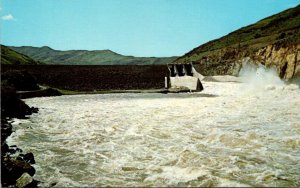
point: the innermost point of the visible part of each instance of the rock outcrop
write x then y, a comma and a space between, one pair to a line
12, 106
273, 42
286, 59
229, 61
15, 166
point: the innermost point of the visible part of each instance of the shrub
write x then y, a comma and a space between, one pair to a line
21, 80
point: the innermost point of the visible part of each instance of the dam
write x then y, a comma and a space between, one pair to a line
183, 77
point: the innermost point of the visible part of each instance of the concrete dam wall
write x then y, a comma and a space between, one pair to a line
96, 77
184, 77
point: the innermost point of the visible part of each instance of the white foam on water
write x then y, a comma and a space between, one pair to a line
227, 135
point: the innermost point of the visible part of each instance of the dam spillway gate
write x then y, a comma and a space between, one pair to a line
183, 77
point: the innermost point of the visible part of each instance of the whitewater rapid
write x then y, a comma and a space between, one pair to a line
231, 134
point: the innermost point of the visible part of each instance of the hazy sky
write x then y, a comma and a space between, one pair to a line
129, 27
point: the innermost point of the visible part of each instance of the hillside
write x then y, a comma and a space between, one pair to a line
273, 41
9, 56
84, 57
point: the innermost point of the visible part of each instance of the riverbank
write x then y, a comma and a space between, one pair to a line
57, 92
16, 166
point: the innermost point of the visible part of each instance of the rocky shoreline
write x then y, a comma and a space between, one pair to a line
16, 166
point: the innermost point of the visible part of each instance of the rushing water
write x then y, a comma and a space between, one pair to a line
231, 134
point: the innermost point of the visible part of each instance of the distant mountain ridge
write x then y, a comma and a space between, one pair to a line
9, 56
273, 41
85, 57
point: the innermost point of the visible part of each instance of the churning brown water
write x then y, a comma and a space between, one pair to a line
231, 134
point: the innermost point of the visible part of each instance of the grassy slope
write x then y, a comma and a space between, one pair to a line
9, 56
84, 57
283, 27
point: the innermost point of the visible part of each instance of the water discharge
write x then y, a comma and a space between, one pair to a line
230, 134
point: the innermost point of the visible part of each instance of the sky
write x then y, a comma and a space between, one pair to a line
129, 27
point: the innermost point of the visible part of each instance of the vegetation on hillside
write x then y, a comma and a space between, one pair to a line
282, 28
20, 80
85, 57
9, 56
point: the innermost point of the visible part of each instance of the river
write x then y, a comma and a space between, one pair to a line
231, 134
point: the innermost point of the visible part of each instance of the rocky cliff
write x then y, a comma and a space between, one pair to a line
273, 42
286, 59
229, 61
